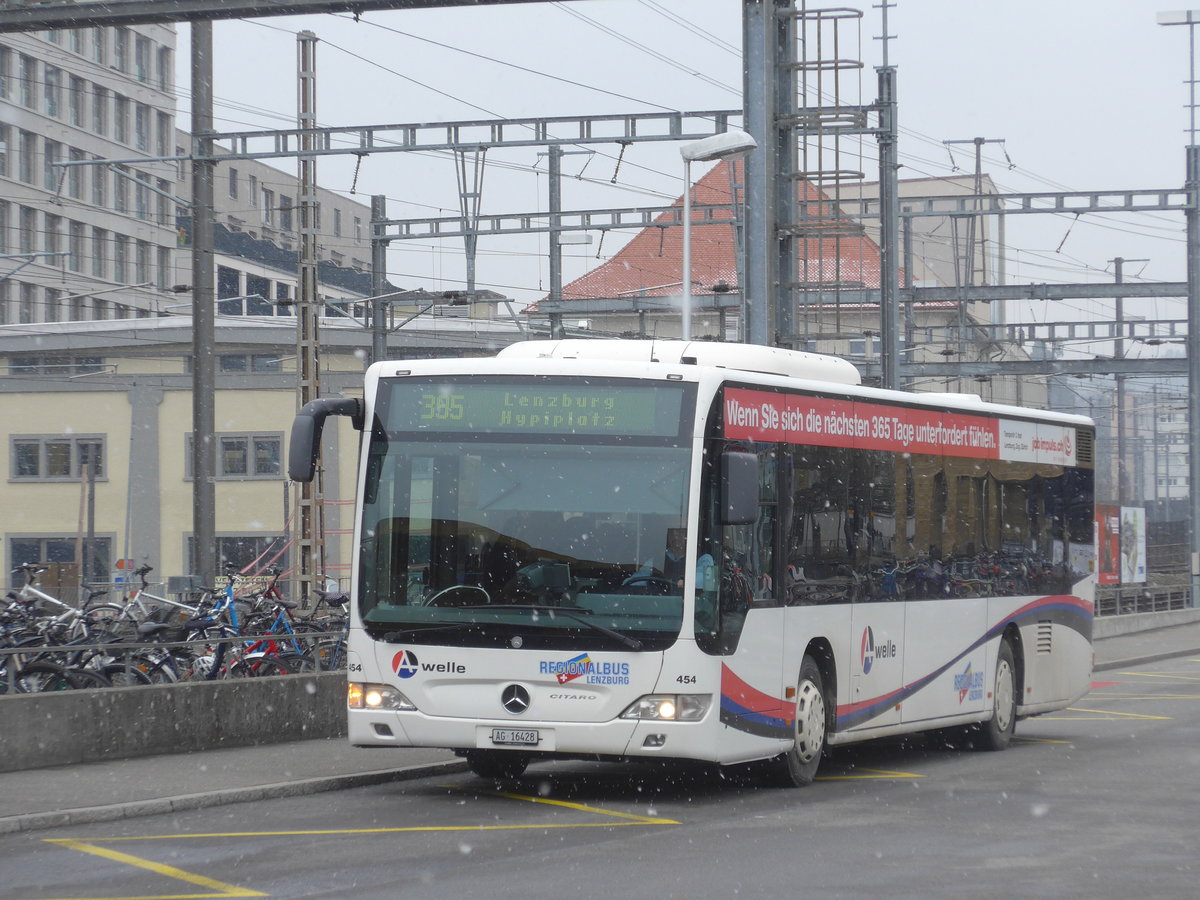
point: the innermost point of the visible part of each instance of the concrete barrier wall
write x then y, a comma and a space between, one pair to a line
1111, 626
66, 727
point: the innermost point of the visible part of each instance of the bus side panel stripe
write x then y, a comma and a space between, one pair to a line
1066, 610
748, 709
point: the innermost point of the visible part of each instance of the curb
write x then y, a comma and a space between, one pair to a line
157, 806
1149, 658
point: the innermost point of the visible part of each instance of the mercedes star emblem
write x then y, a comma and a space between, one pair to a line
515, 699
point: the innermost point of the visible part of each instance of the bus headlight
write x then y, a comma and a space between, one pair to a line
670, 707
376, 696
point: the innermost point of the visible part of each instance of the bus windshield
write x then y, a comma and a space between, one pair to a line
545, 511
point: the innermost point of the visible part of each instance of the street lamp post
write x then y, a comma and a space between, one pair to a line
725, 145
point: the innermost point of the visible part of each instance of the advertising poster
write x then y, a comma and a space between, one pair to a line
1108, 545
1133, 545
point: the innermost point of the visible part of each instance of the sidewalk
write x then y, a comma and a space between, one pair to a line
127, 788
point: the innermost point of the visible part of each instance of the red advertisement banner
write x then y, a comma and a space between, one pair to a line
767, 416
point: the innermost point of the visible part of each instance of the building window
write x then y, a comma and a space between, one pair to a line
166, 69
75, 100
5, 138
99, 185
241, 550
143, 263
285, 212
75, 247
337, 223
60, 549
6, 57
164, 268
252, 190
53, 230
244, 456
28, 298
50, 172
141, 196
121, 118
163, 142
121, 49
4, 301
229, 283
121, 258
162, 201
141, 127
121, 189
53, 91
56, 458
25, 167
53, 303
99, 46
250, 363
141, 58
75, 175
357, 228
28, 229
233, 183
29, 79
99, 109
5, 242
268, 206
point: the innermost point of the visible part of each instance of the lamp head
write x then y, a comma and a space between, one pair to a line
718, 146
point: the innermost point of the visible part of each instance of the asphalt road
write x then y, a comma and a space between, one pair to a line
1098, 801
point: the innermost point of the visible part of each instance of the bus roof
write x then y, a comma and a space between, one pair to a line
743, 357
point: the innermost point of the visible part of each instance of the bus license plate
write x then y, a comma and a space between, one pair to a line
515, 737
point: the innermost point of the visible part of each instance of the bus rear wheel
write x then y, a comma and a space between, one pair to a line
997, 732
497, 765
798, 766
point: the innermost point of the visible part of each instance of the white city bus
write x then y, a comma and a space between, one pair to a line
703, 551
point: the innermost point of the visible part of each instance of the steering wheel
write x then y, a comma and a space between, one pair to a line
665, 584
458, 595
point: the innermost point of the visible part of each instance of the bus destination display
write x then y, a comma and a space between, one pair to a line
554, 408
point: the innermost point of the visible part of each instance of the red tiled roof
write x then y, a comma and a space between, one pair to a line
651, 264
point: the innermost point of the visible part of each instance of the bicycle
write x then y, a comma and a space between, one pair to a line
141, 606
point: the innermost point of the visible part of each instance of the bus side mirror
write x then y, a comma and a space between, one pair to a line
739, 488
305, 443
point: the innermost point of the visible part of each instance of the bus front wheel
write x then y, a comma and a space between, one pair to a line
497, 765
798, 766
997, 732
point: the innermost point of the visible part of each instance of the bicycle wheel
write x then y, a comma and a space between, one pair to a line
136, 672
257, 667
41, 677
87, 678
329, 654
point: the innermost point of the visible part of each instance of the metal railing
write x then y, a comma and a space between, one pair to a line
1121, 600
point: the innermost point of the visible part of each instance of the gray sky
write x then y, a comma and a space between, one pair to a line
1087, 94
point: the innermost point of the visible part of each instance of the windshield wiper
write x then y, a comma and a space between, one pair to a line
568, 612
393, 636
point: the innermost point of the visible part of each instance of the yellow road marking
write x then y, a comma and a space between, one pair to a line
1108, 713
634, 819
1026, 740
629, 819
221, 888
337, 831
875, 775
